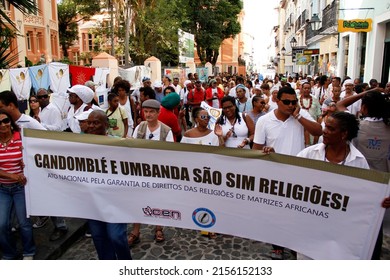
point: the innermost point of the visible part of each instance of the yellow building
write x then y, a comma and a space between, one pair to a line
39, 40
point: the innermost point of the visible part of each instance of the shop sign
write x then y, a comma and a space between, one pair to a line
355, 25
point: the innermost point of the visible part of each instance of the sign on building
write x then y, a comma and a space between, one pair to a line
354, 25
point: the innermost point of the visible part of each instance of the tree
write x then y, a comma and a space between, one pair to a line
70, 12
8, 31
154, 30
212, 21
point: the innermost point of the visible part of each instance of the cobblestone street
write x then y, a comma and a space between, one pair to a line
184, 244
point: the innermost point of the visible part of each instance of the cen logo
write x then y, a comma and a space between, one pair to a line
162, 213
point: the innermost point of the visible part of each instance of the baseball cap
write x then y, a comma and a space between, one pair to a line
144, 79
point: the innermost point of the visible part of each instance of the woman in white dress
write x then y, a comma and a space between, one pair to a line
202, 135
238, 128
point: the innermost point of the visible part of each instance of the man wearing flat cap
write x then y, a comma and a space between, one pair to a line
79, 97
150, 129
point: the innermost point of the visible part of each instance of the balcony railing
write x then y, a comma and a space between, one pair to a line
329, 19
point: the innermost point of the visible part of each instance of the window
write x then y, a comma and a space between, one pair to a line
39, 42
84, 40
28, 40
90, 42
53, 40
121, 59
76, 56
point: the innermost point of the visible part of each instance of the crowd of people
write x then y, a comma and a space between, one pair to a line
322, 118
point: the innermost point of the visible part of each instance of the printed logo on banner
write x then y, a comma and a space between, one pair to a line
203, 217
162, 213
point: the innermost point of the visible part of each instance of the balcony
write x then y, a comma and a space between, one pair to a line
328, 21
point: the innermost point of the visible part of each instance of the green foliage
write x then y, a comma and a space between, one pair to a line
212, 21
8, 31
8, 58
156, 27
69, 13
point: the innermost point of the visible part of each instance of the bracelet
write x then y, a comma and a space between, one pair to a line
298, 117
247, 140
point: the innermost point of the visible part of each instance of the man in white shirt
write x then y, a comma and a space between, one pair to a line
151, 129
79, 97
282, 130
49, 115
176, 85
349, 91
9, 103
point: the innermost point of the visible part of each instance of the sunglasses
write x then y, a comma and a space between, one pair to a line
204, 117
33, 101
5, 121
42, 96
151, 136
288, 102
262, 102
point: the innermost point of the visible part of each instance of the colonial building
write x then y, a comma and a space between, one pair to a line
39, 40
334, 37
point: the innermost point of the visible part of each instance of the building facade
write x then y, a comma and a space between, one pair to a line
310, 41
38, 40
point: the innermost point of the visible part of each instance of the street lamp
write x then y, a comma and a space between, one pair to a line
293, 42
315, 22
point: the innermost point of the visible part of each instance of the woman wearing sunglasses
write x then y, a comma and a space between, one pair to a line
201, 134
237, 128
34, 107
12, 194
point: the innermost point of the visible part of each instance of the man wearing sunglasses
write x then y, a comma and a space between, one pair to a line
50, 115
282, 130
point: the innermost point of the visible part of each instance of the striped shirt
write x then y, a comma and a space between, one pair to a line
11, 158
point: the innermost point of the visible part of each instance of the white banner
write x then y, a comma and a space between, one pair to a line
272, 198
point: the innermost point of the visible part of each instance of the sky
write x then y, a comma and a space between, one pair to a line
260, 18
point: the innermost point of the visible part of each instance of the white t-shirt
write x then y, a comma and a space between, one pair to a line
317, 152
210, 140
285, 137
156, 134
26, 121
73, 123
355, 107
51, 117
